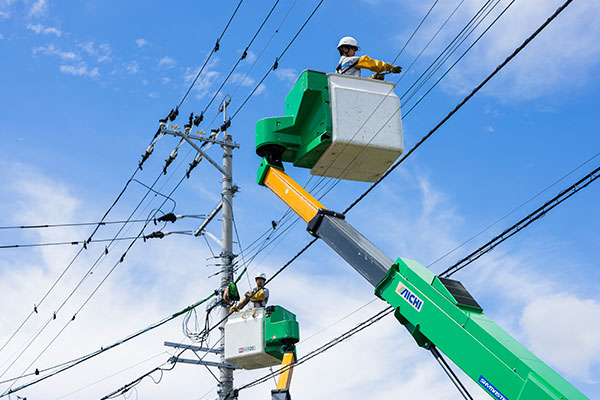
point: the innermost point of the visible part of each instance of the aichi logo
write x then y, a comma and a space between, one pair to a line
409, 296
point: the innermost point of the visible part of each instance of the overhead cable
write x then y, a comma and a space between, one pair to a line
277, 59
512, 211
523, 223
213, 51
57, 369
242, 57
461, 104
320, 350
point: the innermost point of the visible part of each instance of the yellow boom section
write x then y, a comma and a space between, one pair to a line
292, 194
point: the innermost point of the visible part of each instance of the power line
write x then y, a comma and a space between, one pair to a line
320, 350
277, 59
77, 242
242, 57
213, 51
461, 104
59, 368
243, 79
523, 223
102, 281
513, 210
461, 57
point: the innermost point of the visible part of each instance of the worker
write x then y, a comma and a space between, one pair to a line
261, 297
351, 64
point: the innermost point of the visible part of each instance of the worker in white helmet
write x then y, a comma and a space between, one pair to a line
351, 64
261, 297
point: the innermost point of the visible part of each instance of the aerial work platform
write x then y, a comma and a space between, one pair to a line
338, 126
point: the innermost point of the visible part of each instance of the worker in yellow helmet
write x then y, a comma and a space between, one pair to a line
261, 297
351, 64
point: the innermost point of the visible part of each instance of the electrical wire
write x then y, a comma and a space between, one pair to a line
277, 59
70, 364
213, 51
320, 350
102, 281
523, 223
75, 242
461, 104
242, 57
243, 79
512, 211
111, 375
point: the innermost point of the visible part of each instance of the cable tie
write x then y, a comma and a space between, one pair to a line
85, 244
35, 309
73, 317
274, 224
244, 54
74, 243
37, 371
217, 46
122, 258
276, 64
54, 315
105, 249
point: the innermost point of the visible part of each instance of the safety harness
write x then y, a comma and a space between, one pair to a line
345, 69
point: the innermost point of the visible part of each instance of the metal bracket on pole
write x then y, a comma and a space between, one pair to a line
188, 139
210, 217
193, 348
202, 362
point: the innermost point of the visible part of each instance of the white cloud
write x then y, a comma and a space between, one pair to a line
4, 15
153, 95
547, 323
133, 67
166, 62
79, 70
141, 42
39, 8
204, 83
1, 36
164, 80
50, 50
105, 52
288, 75
244, 79
46, 30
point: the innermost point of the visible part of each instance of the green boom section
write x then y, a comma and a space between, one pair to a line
440, 312
282, 331
304, 133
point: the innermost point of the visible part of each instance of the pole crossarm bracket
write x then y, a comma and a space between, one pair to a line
208, 140
193, 348
202, 362
188, 139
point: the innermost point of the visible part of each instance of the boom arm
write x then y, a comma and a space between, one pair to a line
436, 311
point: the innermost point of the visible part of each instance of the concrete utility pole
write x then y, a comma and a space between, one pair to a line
226, 257
226, 374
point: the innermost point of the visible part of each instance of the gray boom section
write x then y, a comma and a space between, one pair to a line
351, 245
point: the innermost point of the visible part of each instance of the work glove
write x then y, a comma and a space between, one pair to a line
395, 69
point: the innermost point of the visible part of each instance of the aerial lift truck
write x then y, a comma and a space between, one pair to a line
350, 128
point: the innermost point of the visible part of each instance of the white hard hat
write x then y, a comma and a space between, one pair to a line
348, 41
261, 275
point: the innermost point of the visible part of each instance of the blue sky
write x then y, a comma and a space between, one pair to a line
84, 84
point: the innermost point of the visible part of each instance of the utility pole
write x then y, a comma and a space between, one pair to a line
225, 380
226, 374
